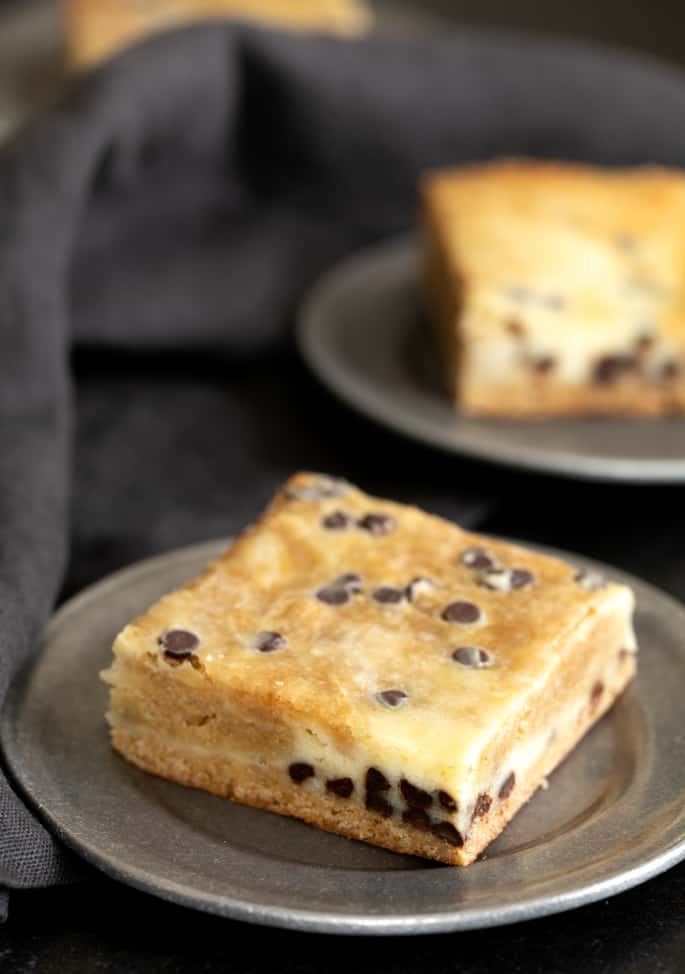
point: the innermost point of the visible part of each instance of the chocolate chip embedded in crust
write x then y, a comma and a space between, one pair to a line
342, 787
521, 577
377, 524
416, 797
544, 364
268, 642
447, 802
337, 521
333, 595
670, 370
392, 698
515, 328
387, 595
376, 780
376, 803
417, 818
464, 612
417, 586
479, 559
351, 582
299, 772
610, 368
506, 579
178, 644
473, 657
447, 832
507, 786
596, 693
482, 806
592, 581
319, 489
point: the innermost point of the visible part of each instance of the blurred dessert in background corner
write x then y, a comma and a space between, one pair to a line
558, 289
95, 29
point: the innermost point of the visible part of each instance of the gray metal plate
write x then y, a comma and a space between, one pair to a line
613, 816
363, 334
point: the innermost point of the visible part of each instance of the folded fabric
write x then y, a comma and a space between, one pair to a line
179, 200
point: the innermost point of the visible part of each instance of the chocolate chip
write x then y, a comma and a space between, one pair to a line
521, 577
388, 595
377, 524
376, 803
610, 368
337, 521
319, 489
464, 612
670, 370
507, 786
473, 657
417, 818
480, 559
333, 595
392, 698
351, 582
417, 586
515, 328
596, 693
447, 832
592, 581
482, 806
644, 341
342, 787
299, 772
416, 797
447, 801
268, 642
544, 364
376, 780
506, 579
178, 644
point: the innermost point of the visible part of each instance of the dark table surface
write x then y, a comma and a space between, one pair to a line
125, 509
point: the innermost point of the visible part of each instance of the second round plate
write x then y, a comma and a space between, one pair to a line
613, 817
362, 332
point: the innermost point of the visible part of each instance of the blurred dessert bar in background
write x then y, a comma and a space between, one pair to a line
557, 288
95, 29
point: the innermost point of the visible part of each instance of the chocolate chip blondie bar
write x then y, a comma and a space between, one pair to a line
558, 289
95, 29
373, 670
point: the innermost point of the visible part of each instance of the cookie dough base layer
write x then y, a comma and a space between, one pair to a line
263, 787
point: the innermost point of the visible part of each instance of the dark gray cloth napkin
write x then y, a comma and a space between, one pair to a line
165, 217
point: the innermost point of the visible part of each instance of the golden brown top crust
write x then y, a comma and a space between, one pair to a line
317, 610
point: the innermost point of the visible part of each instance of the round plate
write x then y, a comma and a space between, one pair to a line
362, 332
613, 817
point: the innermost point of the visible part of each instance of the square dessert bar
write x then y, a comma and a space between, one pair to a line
98, 28
372, 670
558, 289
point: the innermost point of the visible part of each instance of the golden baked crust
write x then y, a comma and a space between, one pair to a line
373, 670
98, 28
557, 288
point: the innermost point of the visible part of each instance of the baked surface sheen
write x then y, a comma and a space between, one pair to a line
558, 288
98, 28
372, 669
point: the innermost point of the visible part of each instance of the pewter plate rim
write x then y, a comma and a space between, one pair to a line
350, 296
20, 740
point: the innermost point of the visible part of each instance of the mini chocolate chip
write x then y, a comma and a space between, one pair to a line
596, 693
388, 595
376, 803
333, 595
392, 698
447, 832
670, 370
377, 524
447, 802
610, 368
515, 328
544, 364
268, 642
376, 780
521, 577
416, 797
592, 581
351, 582
417, 586
337, 521
480, 559
482, 806
507, 786
178, 643
464, 612
319, 489
506, 579
299, 772
417, 818
473, 657
342, 787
